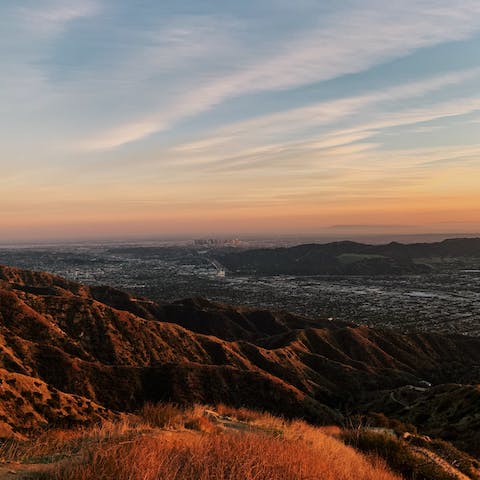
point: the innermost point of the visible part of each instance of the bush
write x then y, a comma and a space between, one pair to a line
464, 462
396, 453
162, 415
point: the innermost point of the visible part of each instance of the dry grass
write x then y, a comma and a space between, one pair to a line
163, 415
239, 413
174, 417
54, 445
228, 456
193, 443
256, 420
397, 455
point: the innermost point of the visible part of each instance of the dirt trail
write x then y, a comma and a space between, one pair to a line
228, 423
24, 471
30, 471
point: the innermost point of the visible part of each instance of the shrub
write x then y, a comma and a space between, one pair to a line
464, 462
162, 415
396, 453
200, 424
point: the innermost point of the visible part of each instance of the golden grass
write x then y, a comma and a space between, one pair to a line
197, 443
174, 417
240, 413
163, 415
227, 456
56, 444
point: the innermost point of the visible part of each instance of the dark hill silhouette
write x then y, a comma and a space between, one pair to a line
95, 351
347, 258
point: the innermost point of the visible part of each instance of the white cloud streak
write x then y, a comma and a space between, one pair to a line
352, 41
247, 139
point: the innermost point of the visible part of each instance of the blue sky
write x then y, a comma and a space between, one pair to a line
221, 116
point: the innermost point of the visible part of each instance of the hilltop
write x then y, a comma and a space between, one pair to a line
203, 442
198, 443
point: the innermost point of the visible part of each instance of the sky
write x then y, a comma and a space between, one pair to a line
224, 117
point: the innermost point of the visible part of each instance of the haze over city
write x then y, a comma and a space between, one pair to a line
270, 117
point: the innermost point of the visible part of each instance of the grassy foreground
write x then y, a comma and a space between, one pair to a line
198, 443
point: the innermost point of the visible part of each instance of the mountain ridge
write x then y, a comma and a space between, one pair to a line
346, 258
86, 342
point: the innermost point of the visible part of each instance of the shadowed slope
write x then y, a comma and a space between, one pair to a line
119, 351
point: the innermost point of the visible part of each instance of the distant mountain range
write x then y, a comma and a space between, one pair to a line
71, 354
348, 258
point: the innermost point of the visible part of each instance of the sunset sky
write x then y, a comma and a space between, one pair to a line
206, 117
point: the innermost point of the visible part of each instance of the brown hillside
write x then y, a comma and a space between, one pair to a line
119, 351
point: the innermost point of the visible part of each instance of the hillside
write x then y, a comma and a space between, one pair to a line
348, 258
199, 443
72, 354
204, 442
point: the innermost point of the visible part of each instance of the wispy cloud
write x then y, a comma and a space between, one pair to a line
119, 135
353, 40
244, 103
347, 42
51, 17
247, 139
